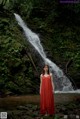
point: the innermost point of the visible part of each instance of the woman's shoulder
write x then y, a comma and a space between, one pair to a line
41, 75
50, 74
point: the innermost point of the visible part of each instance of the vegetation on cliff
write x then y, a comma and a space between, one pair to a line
58, 26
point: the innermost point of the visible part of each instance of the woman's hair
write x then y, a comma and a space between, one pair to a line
43, 72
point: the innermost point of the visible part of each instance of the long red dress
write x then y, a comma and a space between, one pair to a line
46, 96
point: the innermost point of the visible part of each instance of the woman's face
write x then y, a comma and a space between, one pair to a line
46, 68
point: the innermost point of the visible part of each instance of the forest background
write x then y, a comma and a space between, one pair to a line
58, 26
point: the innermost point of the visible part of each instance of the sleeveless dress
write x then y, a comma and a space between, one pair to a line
46, 96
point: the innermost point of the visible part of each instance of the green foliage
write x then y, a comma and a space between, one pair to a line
5, 4
59, 28
15, 66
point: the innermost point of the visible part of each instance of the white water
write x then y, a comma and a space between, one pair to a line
61, 82
74, 91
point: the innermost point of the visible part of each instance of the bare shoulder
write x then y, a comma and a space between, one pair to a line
50, 74
41, 75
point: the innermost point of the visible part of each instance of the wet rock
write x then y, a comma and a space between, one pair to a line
72, 116
22, 108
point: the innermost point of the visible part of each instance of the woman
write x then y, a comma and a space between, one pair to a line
46, 92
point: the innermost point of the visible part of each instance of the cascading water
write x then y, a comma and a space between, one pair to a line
62, 83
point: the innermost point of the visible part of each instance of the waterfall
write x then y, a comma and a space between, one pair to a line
61, 82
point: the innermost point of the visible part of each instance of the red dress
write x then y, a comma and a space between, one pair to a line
46, 96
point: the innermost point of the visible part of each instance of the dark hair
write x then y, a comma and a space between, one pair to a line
43, 72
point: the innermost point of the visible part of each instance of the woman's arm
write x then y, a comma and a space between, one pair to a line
52, 81
40, 82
